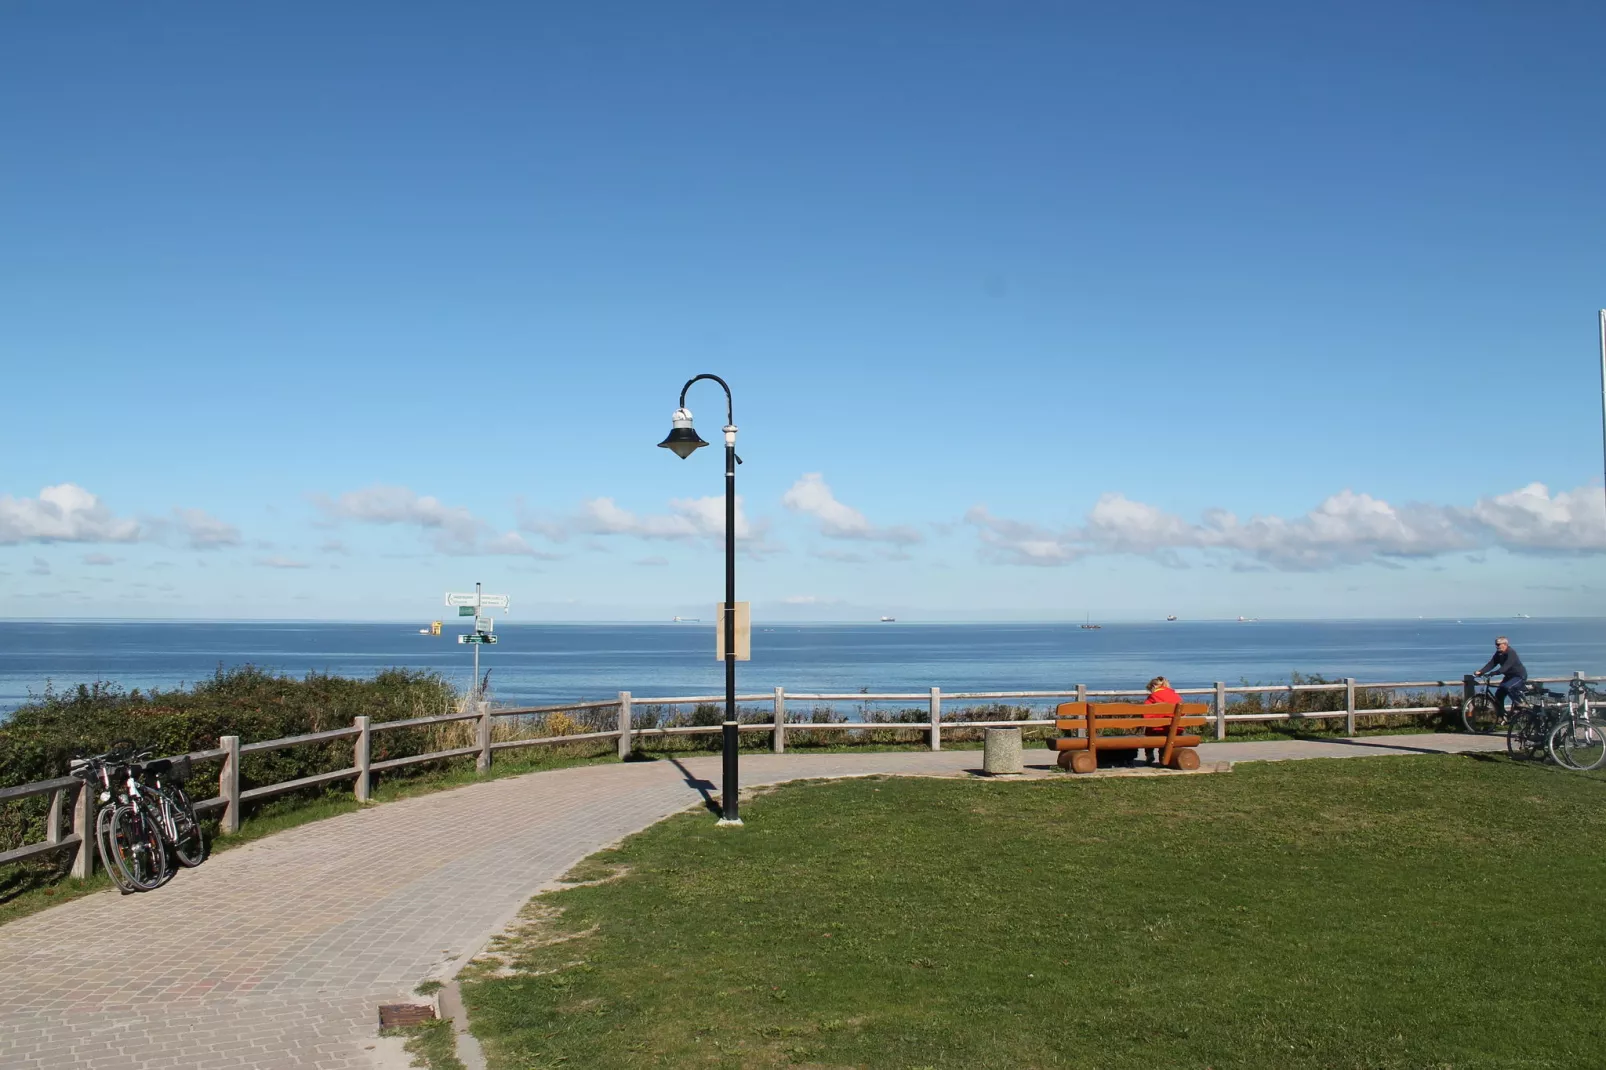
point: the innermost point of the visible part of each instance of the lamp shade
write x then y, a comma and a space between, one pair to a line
682, 437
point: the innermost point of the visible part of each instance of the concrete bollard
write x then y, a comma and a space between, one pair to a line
1001, 753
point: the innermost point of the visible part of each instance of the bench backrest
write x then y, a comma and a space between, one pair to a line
1112, 715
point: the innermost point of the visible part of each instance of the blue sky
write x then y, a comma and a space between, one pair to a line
1031, 310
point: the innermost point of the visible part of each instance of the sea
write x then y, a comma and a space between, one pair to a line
540, 664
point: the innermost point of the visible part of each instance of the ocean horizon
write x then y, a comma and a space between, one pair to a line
549, 663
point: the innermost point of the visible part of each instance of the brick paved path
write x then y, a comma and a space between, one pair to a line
277, 954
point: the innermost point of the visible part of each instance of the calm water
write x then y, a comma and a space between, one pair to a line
550, 663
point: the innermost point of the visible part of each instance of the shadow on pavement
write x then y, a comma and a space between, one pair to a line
704, 787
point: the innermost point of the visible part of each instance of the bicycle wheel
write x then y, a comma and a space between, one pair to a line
1479, 714
1523, 739
109, 855
1578, 744
189, 845
139, 848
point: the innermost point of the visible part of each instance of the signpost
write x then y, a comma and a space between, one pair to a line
472, 605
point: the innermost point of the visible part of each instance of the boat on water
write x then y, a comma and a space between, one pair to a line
885, 620
1247, 620
1171, 616
685, 620
1089, 626
433, 629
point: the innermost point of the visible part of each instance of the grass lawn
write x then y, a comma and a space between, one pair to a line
1432, 912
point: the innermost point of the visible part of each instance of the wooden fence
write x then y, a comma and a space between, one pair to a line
71, 792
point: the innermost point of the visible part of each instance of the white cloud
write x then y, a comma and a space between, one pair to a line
812, 496
1347, 528
1530, 519
687, 519
279, 562
451, 529
204, 531
65, 512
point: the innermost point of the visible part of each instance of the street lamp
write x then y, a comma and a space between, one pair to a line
683, 439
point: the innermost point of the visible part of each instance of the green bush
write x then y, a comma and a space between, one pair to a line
40, 738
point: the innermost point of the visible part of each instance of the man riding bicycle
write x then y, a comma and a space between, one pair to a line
1512, 673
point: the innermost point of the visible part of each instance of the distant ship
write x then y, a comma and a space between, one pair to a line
1523, 616
1090, 626
1247, 620
885, 620
433, 629
684, 620
1171, 616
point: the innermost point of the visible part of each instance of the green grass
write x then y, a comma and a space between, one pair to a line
431, 1045
1402, 912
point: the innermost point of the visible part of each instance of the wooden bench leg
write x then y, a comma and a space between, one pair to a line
1185, 758
1083, 761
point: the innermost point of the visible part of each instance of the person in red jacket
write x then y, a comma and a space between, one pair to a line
1159, 692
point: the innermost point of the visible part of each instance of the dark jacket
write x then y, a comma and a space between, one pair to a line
1506, 663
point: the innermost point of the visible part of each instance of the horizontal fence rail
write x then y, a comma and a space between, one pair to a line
71, 795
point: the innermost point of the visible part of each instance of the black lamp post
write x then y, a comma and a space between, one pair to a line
683, 439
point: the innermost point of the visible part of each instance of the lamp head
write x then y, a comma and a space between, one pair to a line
682, 438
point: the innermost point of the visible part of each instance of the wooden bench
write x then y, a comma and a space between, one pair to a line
1096, 720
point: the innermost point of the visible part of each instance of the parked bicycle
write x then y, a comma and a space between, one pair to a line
1531, 720
129, 841
147, 822
1578, 740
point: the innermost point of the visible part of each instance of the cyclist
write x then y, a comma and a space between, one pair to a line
1512, 674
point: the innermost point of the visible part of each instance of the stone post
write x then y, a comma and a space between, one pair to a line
1349, 705
1001, 753
778, 734
936, 718
1221, 710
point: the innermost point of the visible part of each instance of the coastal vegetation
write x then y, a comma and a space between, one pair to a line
1389, 913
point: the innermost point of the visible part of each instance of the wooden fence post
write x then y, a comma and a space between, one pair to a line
362, 758
53, 818
625, 725
1469, 687
1349, 705
778, 734
936, 718
482, 760
83, 823
1221, 710
228, 784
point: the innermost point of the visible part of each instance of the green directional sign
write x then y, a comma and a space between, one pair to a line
477, 637
466, 611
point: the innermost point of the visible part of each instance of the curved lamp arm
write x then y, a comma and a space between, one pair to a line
729, 405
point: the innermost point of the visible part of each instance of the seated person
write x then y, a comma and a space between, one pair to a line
1159, 692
